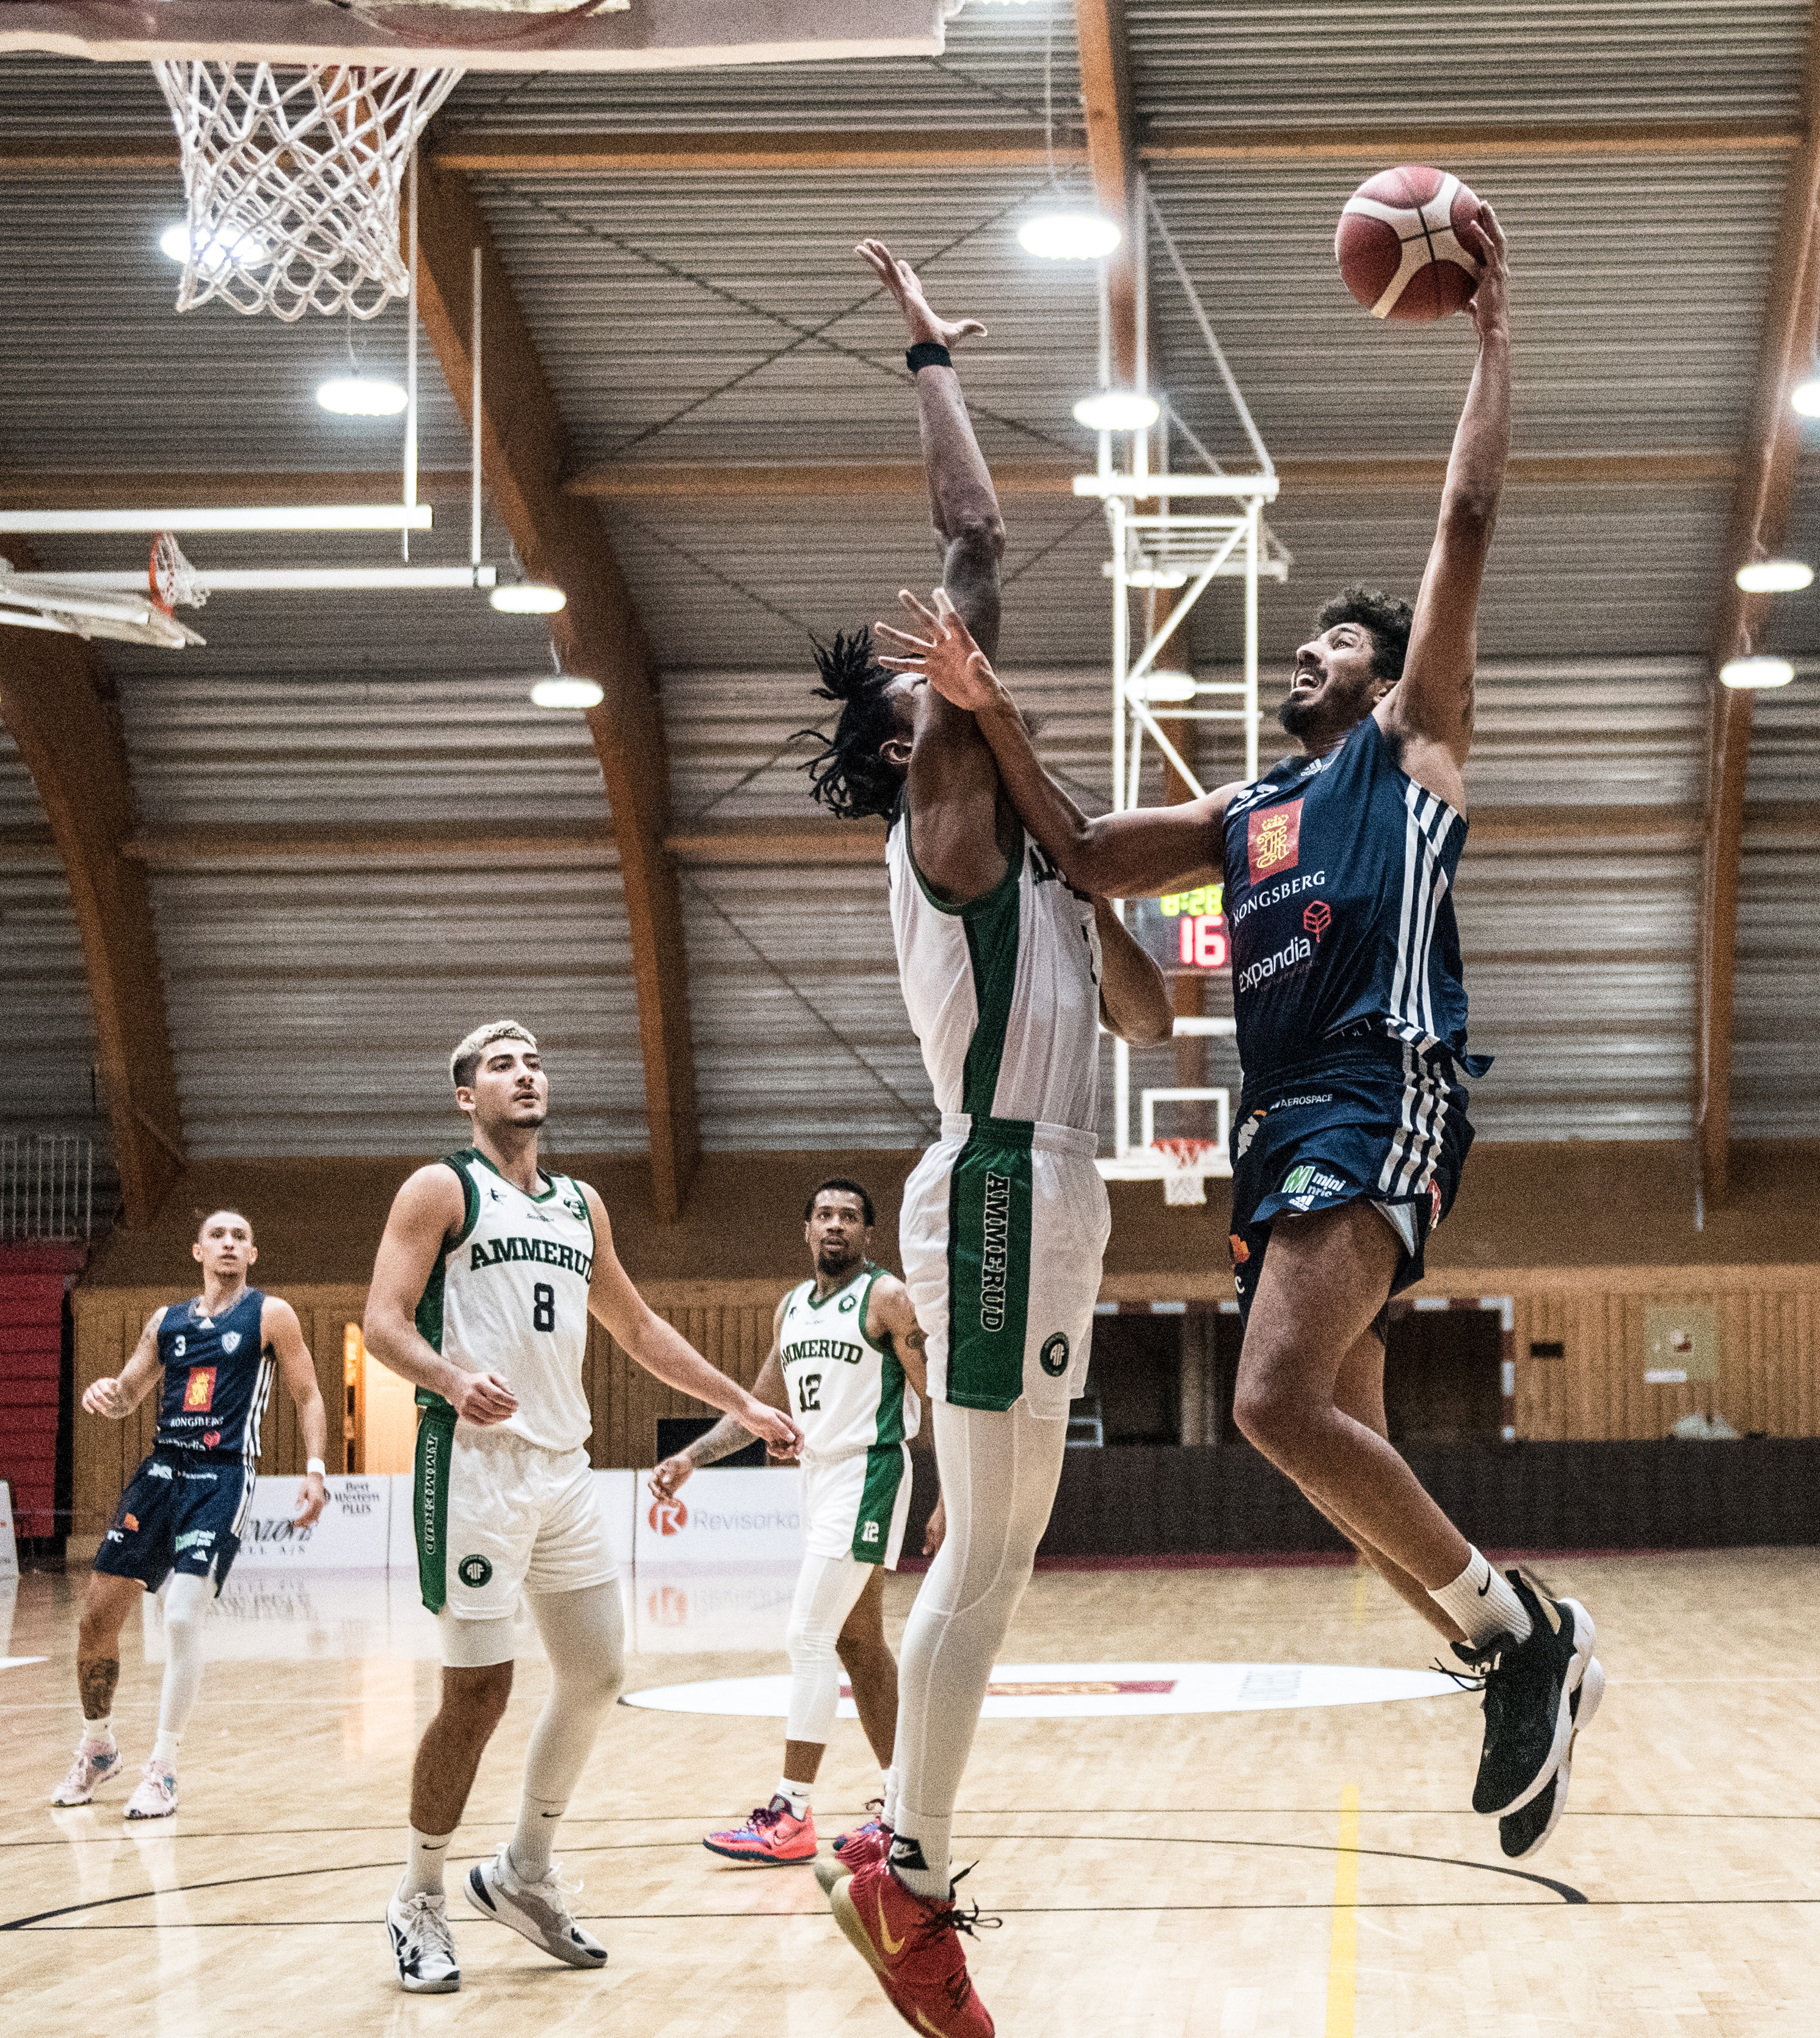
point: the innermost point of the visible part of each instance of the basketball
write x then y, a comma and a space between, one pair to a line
1403, 243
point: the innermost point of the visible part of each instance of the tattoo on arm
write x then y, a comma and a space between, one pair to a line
727, 1436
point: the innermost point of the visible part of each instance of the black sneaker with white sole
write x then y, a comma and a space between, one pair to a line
1528, 1687
1522, 1834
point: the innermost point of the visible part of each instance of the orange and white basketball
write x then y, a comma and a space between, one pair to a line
1404, 244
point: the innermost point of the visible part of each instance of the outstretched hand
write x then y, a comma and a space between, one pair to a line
945, 656
904, 284
1489, 303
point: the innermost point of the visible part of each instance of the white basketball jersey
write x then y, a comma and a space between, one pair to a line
847, 1392
1003, 993
510, 1296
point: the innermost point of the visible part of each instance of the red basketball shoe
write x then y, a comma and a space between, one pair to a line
770, 1838
854, 1850
912, 1943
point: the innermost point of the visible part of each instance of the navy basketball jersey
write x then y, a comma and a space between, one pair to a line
218, 1374
1338, 895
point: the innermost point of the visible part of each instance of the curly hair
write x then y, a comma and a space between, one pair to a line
1384, 616
849, 777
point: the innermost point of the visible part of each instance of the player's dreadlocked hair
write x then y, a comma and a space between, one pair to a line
850, 778
1387, 618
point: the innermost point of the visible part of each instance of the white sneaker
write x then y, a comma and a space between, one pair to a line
155, 1796
419, 1929
534, 1909
95, 1763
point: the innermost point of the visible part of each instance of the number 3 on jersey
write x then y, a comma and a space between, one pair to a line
542, 1307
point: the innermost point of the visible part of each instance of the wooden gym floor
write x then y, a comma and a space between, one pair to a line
1201, 1874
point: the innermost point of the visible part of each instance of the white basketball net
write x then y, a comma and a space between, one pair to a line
1186, 1164
294, 178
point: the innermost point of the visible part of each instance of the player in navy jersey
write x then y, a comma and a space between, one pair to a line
212, 1356
1338, 866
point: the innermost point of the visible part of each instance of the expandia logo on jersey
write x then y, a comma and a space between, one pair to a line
1273, 840
199, 1389
667, 1518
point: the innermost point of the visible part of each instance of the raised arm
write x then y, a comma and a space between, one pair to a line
1128, 855
118, 1394
663, 1351
953, 788
1432, 703
280, 1328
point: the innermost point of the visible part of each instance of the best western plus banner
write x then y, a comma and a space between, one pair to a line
742, 1516
350, 1535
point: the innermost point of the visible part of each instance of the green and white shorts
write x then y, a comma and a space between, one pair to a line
496, 1516
1002, 1235
856, 1505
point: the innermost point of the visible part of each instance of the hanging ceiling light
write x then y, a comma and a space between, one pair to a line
360, 396
1069, 236
1756, 672
565, 690
174, 245
1155, 577
529, 597
1117, 410
1806, 398
1775, 576
1159, 688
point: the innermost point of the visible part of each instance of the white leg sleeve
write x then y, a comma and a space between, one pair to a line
827, 1589
584, 1637
186, 1607
1000, 1474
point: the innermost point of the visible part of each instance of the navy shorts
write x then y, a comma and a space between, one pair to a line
1371, 1121
181, 1511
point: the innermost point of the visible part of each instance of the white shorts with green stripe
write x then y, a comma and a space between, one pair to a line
856, 1505
1002, 1235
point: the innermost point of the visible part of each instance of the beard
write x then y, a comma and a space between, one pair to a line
830, 1259
1297, 715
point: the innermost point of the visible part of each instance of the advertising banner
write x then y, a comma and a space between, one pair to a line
351, 1534
748, 1516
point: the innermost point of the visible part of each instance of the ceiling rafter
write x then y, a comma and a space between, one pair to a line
1112, 155
562, 539
54, 701
1759, 521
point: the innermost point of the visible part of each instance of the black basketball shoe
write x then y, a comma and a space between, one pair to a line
1528, 1688
1521, 1834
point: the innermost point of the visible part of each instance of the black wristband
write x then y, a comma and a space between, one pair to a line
927, 353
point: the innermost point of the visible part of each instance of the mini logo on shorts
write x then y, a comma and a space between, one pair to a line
1053, 1358
1241, 1251
667, 1518
1434, 1204
129, 1521
869, 1532
1248, 1132
474, 1571
1297, 1180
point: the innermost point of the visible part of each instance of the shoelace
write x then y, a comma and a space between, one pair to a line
763, 1819
951, 1918
425, 1917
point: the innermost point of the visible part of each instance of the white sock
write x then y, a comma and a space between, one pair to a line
1481, 1603
888, 1788
534, 1843
798, 1793
164, 1752
100, 1731
423, 1864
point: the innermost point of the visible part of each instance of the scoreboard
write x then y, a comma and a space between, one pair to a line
1183, 933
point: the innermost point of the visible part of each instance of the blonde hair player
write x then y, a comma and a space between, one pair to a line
181, 1515
1006, 971
846, 1358
488, 1271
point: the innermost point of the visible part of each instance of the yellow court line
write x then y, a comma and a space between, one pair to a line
1342, 1951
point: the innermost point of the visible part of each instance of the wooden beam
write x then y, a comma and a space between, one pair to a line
57, 704
1759, 522
1112, 154
563, 540
1471, 142
618, 154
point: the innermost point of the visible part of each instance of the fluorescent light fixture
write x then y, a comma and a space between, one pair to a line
1069, 236
1775, 576
317, 517
360, 396
1806, 398
525, 597
1156, 576
1156, 688
248, 248
565, 691
1117, 410
1756, 673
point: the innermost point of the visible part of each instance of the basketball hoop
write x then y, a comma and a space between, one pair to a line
171, 576
294, 177
1186, 1164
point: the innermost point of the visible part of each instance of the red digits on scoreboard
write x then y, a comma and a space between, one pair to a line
1203, 939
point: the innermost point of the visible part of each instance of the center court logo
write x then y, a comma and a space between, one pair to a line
667, 1518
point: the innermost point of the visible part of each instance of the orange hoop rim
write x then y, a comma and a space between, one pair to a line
163, 601
1185, 1152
